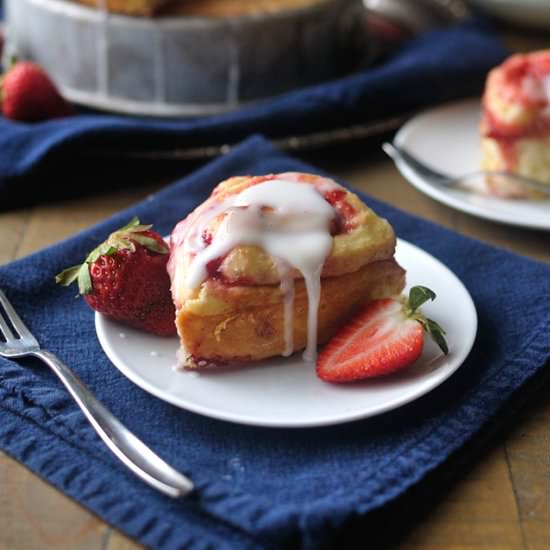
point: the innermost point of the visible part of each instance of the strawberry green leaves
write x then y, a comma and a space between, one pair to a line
68, 276
436, 333
133, 232
123, 239
126, 279
418, 296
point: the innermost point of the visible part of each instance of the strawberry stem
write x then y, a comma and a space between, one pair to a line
436, 333
68, 276
419, 295
84, 279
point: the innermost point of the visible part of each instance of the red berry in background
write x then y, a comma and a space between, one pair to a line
125, 278
29, 95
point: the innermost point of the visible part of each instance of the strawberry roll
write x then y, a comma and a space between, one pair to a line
515, 125
273, 264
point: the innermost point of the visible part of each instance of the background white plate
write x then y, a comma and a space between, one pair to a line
447, 139
286, 392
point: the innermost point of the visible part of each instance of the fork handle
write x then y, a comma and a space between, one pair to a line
124, 444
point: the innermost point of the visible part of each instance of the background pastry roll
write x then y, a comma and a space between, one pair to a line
515, 126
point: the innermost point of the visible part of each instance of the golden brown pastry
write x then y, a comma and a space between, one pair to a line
128, 7
515, 126
273, 264
233, 8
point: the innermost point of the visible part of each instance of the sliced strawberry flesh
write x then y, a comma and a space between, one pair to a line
381, 340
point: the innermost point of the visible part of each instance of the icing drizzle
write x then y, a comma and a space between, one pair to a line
291, 222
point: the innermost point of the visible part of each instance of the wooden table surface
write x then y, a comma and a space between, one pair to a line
502, 500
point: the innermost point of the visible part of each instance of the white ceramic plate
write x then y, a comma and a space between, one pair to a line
447, 139
286, 392
532, 13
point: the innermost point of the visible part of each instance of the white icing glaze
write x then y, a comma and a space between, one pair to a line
287, 219
538, 89
546, 87
532, 88
287, 290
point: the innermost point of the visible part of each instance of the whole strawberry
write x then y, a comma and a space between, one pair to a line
125, 278
29, 95
385, 337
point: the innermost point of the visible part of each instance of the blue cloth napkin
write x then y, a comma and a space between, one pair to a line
309, 488
87, 151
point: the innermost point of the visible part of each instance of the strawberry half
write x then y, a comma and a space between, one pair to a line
125, 278
386, 336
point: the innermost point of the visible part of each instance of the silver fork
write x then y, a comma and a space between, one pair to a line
474, 181
19, 342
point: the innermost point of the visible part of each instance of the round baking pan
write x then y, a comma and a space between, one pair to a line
177, 65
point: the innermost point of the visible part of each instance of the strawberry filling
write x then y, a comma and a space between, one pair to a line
522, 80
342, 223
345, 211
341, 220
213, 268
215, 273
497, 129
206, 237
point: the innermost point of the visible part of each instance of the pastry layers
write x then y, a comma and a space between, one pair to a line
515, 126
245, 323
245, 307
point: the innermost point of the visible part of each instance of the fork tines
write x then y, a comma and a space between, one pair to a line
11, 325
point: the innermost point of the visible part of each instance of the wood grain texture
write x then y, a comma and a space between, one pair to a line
12, 231
479, 511
528, 451
35, 515
117, 541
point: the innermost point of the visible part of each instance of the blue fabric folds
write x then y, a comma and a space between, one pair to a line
306, 489
37, 160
